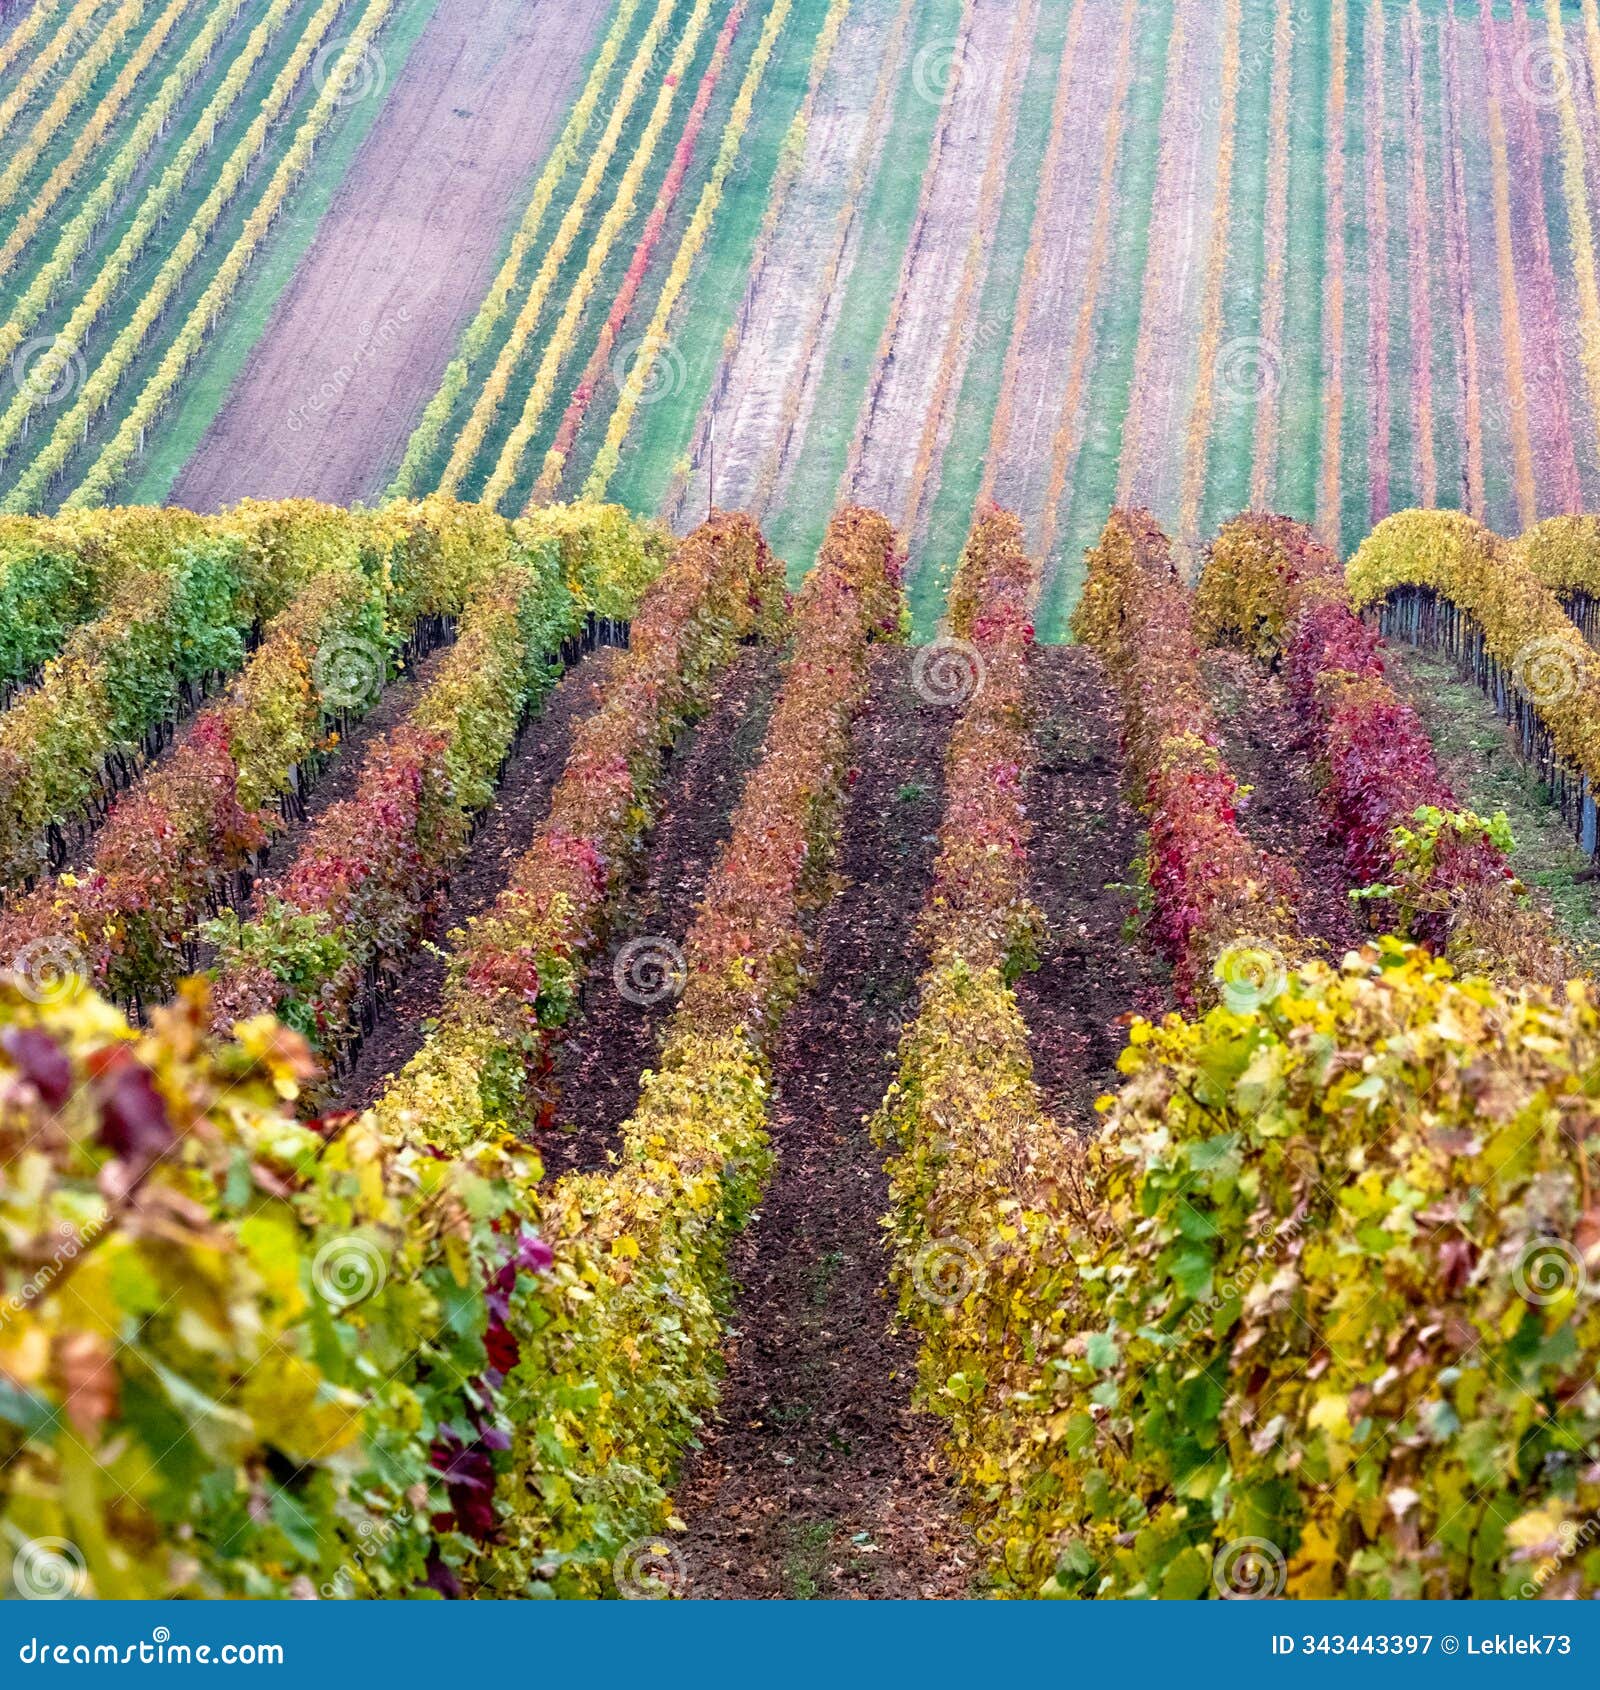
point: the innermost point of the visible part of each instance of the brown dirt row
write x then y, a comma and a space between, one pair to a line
521, 803
1551, 373
600, 1065
818, 1477
1587, 112
1374, 121
1461, 301
1092, 975
360, 337
1502, 411
1265, 747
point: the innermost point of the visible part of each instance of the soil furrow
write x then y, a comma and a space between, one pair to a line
1087, 836
1330, 494
1070, 421
883, 468
1203, 395
1514, 399
1275, 248
960, 328
521, 802
617, 1039
819, 1478
1265, 746
1458, 260
1419, 261
1059, 217
1374, 121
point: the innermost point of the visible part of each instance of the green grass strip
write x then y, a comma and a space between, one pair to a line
1355, 488
661, 435
1233, 421
1449, 448
1110, 385
1300, 437
961, 468
796, 523
1478, 756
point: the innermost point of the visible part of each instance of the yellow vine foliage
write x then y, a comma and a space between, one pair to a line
565, 332
429, 432
108, 370
1524, 627
44, 63
119, 451
108, 38
497, 383
694, 238
76, 237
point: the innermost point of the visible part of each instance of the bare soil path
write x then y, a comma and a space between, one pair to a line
1187, 198
1091, 975
617, 1040
521, 803
1264, 745
819, 1478
758, 409
1064, 268
359, 339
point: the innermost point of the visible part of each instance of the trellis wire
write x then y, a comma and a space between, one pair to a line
1425, 619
